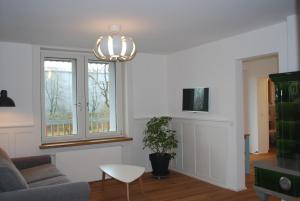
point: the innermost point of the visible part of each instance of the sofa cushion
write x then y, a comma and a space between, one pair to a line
50, 181
10, 177
3, 154
40, 172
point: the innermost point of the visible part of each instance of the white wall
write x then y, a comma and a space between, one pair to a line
149, 84
146, 84
17, 134
217, 66
293, 42
252, 70
16, 78
20, 127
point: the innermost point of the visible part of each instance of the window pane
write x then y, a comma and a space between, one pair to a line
101, 97
60, 97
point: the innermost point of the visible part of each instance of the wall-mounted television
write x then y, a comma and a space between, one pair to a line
195, 99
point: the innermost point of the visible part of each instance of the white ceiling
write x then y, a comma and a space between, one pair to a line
157, 26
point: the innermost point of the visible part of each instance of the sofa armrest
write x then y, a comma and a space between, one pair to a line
62, 192
31, 161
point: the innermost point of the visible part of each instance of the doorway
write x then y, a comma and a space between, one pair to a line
259, 103
258, 111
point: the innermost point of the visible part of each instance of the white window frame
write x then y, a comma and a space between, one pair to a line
117, 113
82, 59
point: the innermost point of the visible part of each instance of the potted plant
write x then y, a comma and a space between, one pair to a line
161, 141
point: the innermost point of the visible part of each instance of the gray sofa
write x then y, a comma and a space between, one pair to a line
36, 179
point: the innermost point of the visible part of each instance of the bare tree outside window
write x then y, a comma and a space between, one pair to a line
99, 103
102, 85
53, 90
59, 98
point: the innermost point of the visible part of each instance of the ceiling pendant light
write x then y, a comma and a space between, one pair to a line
115, 47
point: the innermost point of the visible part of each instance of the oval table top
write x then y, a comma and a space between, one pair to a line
122, 172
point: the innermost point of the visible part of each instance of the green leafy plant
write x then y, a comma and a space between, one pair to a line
158, 137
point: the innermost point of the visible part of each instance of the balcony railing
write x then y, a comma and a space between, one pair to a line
65, 127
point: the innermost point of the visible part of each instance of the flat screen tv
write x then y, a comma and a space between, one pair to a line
195, 99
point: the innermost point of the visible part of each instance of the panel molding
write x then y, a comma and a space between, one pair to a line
208, 140
204, 119
17, 125
12, 134
4, 141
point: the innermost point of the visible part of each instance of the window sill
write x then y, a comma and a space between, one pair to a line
84, 142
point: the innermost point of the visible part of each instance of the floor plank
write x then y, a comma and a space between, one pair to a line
176, 187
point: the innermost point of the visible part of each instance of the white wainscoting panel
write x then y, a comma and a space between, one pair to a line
188, 148
18, 141
202, 149
203, 153
4, 141
177, 163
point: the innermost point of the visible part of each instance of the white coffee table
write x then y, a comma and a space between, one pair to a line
123, 173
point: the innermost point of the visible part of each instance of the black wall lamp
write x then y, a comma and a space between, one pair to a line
5, 101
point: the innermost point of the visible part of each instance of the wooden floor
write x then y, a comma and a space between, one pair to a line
177, 187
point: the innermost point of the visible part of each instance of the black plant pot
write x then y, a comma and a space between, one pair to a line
160, 164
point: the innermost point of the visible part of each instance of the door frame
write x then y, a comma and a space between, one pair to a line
239, 119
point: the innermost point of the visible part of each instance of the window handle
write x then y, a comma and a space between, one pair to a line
79, 106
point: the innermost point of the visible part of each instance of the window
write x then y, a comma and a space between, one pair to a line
60, 97
79, 97
101, 96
